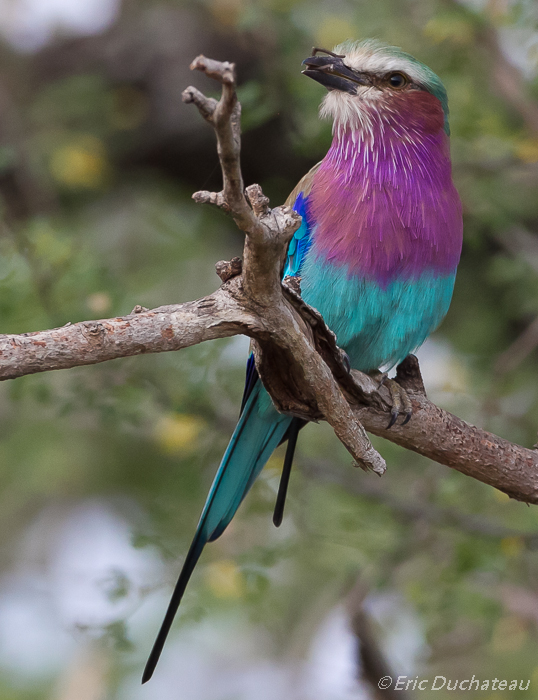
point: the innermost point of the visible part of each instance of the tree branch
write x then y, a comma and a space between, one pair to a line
296, 354
373, 665
160, 330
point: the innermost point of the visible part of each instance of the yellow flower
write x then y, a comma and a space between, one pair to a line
225, 579
80, 164
511, 546
527, 150
177, 433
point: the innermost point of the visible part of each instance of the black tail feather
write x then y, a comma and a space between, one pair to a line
292, 434
188, 567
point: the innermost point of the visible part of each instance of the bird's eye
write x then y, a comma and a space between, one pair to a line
397, 80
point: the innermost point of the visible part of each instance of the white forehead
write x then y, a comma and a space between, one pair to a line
370, 60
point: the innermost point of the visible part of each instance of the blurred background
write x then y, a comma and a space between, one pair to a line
104, 469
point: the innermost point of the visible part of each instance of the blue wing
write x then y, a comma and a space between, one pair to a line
302, 238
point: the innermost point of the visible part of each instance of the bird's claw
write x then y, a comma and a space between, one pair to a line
408, 416
393, 418
401, 403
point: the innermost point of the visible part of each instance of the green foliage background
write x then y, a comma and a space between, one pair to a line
98, 159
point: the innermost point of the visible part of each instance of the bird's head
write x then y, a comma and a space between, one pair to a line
368, 76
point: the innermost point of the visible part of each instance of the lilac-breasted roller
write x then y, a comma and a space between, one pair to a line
376, 251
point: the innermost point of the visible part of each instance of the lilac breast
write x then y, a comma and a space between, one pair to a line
384, 202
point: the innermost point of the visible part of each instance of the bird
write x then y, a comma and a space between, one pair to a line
376, 252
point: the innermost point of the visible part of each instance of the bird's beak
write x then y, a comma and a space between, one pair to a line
331, 72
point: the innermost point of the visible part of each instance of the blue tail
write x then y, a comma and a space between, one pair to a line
259, 430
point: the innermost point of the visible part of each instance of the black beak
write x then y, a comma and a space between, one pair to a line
331, 72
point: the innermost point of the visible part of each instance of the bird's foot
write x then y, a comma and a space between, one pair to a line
401, 403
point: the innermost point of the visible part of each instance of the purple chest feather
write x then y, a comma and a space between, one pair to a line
383, 199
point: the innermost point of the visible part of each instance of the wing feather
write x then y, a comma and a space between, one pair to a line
301, 241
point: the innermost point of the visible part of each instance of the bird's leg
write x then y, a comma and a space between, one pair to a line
401, 403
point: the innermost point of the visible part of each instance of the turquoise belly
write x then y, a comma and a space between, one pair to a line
376, 326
